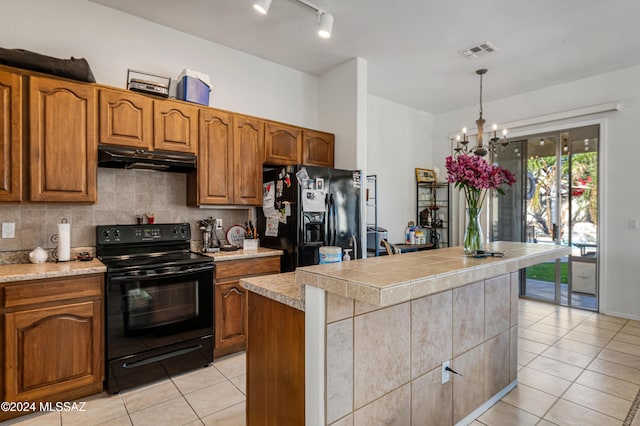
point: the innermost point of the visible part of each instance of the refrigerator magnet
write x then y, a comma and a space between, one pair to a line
303, 177
320, 184
287, 180
279, 188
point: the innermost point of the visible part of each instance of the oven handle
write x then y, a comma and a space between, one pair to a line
161, 275
162, 357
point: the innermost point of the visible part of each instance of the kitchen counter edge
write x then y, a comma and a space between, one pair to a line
223, 256
279, 287
36, 271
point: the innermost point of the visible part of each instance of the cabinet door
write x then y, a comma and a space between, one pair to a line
231, 318
213, 181
248, 154
282, 144
317, 148
10, 137
52, 350
62, 142
176, 127
126, 119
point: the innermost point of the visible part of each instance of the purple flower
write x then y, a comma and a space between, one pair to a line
474, 175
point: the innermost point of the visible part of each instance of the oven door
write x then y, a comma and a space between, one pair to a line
161, 321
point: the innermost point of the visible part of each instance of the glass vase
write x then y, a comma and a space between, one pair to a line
473, 233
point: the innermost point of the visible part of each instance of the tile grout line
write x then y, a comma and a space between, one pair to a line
558, 398
632, 411
634, 406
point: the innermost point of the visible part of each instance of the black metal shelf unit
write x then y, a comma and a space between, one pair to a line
433, 212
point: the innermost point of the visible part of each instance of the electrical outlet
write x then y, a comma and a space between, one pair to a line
218, 223
8, 230
445, 372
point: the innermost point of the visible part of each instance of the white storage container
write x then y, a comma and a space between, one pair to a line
330, 254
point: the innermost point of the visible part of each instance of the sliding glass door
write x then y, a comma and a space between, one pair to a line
555, 202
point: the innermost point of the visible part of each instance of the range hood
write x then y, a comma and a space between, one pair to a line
132, 158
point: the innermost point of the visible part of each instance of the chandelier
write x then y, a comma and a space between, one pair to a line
480, 149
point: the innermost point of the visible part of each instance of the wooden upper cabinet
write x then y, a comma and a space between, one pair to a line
126, 119
176, 126
11, 183
63, 141
248, 156
213, 182
282, 144
317, 148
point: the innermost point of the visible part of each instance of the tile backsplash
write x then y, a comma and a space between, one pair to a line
122, 194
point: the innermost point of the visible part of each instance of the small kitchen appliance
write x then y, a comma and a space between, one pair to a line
159, 307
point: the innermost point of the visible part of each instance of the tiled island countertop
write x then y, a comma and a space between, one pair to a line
368, 337
388, 280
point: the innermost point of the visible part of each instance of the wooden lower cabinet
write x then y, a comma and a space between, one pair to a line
231, 318
275, 364
53, 344
231, 301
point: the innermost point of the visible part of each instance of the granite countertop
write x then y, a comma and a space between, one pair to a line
243, 254
31, 271
279, 287
388, 280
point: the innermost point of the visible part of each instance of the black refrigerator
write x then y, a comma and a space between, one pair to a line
308, 207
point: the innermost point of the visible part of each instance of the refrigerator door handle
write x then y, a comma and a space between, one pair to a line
332, 209
327, 211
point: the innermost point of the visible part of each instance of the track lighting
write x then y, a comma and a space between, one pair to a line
262, 6
325, 24
325, 19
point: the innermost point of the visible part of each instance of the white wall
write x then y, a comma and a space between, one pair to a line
113, 41
343, 111
398, 140
620, 154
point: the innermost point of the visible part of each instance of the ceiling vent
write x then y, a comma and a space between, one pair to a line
479, 50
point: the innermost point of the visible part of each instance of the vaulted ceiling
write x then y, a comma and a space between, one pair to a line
412, 46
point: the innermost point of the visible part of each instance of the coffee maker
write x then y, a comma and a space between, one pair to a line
210, 242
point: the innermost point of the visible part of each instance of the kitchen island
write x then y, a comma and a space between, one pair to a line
364, 342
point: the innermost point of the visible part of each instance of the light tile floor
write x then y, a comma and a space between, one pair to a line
575, 368
211, 396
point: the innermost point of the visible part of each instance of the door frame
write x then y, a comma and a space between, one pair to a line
557, 127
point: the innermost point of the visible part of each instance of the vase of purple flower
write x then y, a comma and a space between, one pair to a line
473, 239
475, 177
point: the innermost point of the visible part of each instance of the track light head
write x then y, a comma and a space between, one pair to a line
262, 6
325, 25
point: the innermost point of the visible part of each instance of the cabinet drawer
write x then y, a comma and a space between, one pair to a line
247, 267
53, 289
